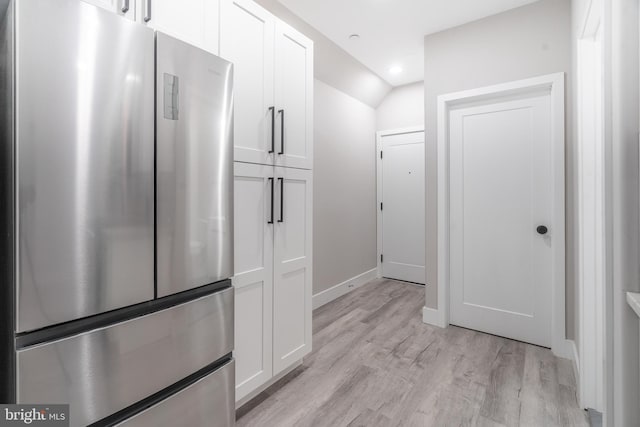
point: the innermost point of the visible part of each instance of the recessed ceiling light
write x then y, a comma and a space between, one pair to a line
396, 69
354, 37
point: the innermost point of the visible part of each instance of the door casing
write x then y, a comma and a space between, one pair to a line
555, 84
379, 137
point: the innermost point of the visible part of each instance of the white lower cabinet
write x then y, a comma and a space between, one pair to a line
292, 268
273, 223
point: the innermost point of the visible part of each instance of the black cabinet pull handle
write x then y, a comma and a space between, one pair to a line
273, 129
281, 112
271, 220
281, 199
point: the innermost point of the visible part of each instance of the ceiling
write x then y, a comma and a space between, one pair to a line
392, 31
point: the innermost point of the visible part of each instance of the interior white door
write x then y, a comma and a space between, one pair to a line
402, 206
246, 39
292, 267
193, 21
253, 280
294, 98
501, 195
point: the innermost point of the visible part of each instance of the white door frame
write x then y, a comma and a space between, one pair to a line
592, 294
379, 135
554, 83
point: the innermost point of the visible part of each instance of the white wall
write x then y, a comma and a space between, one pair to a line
344, 206
521, 43
332, 64
402, 107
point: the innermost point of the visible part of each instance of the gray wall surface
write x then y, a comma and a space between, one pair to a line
344, 189
530, 41
402, 107
332, 64
625, 113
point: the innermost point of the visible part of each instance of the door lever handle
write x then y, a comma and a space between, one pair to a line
125, 6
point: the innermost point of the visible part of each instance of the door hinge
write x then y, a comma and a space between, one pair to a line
381, 258
380, 153
380, 205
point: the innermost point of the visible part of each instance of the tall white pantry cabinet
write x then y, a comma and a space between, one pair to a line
273, 134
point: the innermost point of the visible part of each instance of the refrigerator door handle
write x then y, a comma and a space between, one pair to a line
281, 199
281, 112
272, 190
147, 10
125, 6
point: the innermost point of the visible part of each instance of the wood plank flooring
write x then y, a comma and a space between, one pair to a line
374, 363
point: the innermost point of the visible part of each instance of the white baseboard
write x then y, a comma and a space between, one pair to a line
432, 316
565, 349
576, 371
324, 297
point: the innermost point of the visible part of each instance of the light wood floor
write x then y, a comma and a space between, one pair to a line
374, 363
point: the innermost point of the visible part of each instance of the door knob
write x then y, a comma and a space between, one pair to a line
542, 230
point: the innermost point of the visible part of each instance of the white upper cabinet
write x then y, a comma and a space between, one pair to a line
292, 266
246, 39
196, 22
273, 86
294, 98
193, 21
125, 8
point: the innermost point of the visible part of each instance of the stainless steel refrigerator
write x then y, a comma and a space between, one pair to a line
116, 219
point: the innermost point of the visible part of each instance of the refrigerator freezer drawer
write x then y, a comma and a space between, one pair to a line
194, 168
106, 370
208, 402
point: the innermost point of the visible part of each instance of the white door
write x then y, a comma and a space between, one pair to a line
253, 280
246, 39
294, 98
402, 206
193, 21
292, 268
501, 207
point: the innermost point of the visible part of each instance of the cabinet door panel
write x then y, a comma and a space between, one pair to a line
193, 21
292, 268
294, 98
117, 6
246, 39
254, 276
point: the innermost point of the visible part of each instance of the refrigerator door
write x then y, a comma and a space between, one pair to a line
194, 167
85, 159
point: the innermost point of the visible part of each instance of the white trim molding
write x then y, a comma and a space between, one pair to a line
431, 316
554, 83
334, 292
379, 135
576, 371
